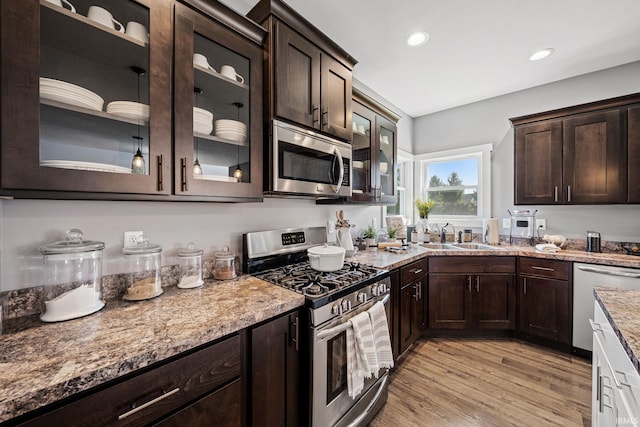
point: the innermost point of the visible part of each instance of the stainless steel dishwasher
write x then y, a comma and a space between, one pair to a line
585, 278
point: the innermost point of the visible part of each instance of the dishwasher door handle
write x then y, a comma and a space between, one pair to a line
609, 272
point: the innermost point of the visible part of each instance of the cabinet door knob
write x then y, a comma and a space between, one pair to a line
555, 194
477, 283
314, 114
325, 117
568, 193
469, 283
524, 285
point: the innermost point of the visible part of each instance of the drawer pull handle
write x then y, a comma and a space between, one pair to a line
416, 271
535, 267
149, 403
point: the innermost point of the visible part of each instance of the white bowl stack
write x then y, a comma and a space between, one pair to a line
129, 109
59, 91
202, 121
231, 129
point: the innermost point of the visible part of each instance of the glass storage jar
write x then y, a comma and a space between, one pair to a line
143, 268
73, 277
225, 264
190, 267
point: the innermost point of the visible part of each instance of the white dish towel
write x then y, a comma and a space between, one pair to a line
362, 361
381, 339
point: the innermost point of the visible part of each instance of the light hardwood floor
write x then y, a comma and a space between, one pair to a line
465, 382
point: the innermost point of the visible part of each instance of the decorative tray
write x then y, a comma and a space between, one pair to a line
631, 248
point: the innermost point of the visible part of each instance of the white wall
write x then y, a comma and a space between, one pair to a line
27, 224
488, 122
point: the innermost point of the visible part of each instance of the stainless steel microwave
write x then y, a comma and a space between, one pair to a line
304, 162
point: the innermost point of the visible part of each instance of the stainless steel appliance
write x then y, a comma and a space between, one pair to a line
304, 162
522, 225
332, 298
585, 278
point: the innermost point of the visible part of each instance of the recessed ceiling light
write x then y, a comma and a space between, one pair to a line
541, 54
417, 38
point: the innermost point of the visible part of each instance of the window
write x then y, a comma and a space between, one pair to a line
460, 183
404, 188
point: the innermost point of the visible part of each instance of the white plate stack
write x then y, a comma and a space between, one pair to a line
87, 166
129, 110
59, 91
231, 129
202, 121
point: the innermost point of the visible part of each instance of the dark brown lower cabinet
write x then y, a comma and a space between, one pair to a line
412, 303
182, 392
545, 299
275, 367
483, 297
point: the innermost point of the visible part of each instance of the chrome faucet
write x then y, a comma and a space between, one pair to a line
443, 233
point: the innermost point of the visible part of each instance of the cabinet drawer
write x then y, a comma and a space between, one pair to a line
170, 385
472, 264
415, 270
223, 406
549, 268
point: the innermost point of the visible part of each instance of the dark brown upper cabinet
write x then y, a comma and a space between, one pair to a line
81, 100
374, 143
578, 155
309, 77
538, 163
219, 158
633, 140
61, 73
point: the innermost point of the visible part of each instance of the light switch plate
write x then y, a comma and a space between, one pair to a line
506, 223
541, 224
130, 236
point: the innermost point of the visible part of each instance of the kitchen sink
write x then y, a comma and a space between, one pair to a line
440, 246
461, 247
474, 246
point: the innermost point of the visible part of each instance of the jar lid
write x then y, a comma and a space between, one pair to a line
73, 243
142, 246
225, 254
190, 251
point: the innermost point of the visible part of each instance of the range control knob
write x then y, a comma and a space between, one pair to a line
336, 309
375, 291
382, 287
362, 297
346, 305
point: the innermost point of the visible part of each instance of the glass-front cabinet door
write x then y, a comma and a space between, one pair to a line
218, 109
86, 101
386, 137
363, 180
374, 156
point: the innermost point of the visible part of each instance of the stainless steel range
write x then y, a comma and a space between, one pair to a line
332, 299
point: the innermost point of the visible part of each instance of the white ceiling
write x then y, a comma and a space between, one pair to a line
477, 49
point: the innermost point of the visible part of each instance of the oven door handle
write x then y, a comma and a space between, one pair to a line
344, 326
336, 152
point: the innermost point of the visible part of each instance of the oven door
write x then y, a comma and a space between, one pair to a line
305, 162
331, 404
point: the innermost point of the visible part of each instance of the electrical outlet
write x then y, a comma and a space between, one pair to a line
130, 237
541, 224
506, 223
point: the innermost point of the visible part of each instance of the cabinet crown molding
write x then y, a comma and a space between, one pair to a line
577, 109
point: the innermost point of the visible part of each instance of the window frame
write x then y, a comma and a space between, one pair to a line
480, 152
408, 178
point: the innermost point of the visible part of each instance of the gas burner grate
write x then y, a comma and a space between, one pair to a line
312, 283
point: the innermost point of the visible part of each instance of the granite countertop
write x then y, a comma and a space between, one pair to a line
621, 306
52, 361
390, 260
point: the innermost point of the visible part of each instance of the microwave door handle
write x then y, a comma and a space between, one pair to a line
338, 155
